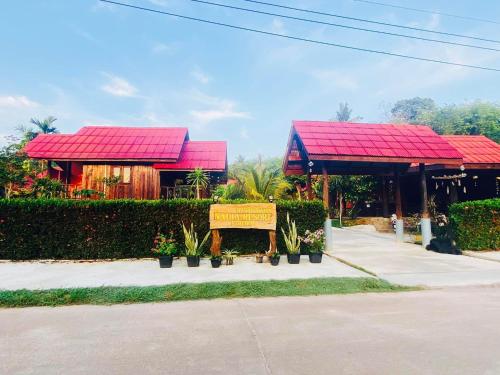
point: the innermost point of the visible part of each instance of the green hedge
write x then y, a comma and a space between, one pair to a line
476, 224
67, 229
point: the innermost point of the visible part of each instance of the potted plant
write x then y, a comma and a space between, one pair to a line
259, 257
274, 258
216, 261
292, 241
316, 243
229, 256
165, 248
193, 246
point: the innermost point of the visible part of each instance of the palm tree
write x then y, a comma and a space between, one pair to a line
45, 126
260, 180
198, 178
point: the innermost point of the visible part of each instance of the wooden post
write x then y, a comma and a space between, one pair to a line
216, 243
326, 191
309, 186
423, 191
399, 209
272, 242
385, 199
397, 185
425, 221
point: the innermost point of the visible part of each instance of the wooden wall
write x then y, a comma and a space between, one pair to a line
144, 181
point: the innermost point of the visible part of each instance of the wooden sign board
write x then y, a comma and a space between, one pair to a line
243, 216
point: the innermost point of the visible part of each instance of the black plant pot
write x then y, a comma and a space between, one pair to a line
293, 258
315, 257
165, 261
216, 262
274, 261
193, 261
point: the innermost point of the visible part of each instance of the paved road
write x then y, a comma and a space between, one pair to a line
409, 264
453, 331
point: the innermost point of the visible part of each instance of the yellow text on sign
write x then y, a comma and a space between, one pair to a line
244, 216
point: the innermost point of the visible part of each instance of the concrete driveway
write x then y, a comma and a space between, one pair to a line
446, 331
409, 264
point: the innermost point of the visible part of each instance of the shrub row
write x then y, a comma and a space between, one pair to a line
476, 224
67, 229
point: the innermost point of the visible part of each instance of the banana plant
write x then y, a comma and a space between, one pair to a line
292, 240
193, 247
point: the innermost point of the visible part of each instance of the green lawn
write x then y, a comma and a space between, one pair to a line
183, 292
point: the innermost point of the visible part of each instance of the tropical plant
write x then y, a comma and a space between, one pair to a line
199, 179
164, 245
229, 256
292, 240
193, 246
46, 187
260, 181
45, 126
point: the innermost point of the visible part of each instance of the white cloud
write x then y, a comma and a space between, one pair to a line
200, 76
12, 101
118, 86
162, 3
278, 26
335, 79
217, 109
244, 133
159, 48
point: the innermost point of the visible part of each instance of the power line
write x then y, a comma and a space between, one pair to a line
428, 11
371, 21
299, 38
343, 26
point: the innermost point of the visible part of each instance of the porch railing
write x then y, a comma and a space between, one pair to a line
178, 191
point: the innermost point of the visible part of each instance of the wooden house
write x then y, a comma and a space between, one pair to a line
129, 162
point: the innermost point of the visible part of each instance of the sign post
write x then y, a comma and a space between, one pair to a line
242, 216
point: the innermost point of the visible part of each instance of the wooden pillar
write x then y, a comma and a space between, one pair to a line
423, 191
326, 192
216, 243
399, 209
385, 198
397, 188
309, 186
425, 222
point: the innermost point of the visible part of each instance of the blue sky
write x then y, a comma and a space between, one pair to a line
89, 63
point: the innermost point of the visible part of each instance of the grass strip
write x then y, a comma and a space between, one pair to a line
184, 292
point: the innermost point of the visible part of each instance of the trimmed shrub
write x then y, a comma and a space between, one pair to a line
476, 224
68, 229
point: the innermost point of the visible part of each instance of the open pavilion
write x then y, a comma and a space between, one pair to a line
341, 148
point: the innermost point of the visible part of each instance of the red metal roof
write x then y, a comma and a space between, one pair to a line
110, 143
211, 156
476, 149
372, 142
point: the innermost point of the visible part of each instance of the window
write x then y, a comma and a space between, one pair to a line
122, 173
126, 175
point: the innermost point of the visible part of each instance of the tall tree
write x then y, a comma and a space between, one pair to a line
411, 110
45, 126
199, 179
344, 114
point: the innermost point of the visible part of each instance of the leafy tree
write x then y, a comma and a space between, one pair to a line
199, 179
411, 110
469, 119
12, 168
